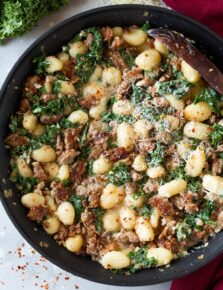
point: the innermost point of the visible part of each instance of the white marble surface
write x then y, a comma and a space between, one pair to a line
20, 266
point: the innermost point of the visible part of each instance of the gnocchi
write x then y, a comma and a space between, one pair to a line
102, 165
144, 229
111, 196
115, 260
172, 188
135, 37
74, 244
161, 255
66, 213
125, 136
190, 73
197, 112
195, 162
111, 76
148, 59
197, 130
122, 107
53, 64
44, 154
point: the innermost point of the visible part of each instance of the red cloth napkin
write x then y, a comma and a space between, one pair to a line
210, 277
209, 12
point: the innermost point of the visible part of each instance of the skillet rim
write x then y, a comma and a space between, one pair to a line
37, 247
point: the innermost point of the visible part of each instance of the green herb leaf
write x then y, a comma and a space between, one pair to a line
40, 64
77, 204
128, 58
139, 260
119, 175
98, 213
216, 135
139, 94
110, 116
178, 87
210, 96
157, 156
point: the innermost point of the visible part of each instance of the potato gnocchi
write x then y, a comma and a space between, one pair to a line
117, 149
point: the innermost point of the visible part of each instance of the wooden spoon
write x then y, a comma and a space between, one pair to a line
183, 48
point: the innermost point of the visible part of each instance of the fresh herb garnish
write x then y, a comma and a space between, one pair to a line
145, 27
56, 87
119, 175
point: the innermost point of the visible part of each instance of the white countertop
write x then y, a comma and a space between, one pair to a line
20, 266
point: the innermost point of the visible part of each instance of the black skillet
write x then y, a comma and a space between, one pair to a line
51, 42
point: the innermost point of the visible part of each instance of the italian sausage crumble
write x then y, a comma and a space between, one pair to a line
117, 149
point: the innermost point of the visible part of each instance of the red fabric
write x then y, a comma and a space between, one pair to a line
210, 277
209, 12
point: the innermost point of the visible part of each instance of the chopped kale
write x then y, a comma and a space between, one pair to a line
90, 167
24, 184
193, 183
150, 114
111, 101
184, 229
16, 126
18, 17
216, 135
83, 136
145, 211
98, 214
139, 260
40, 64
65, 123
87, 62
55, 106
178, 87
210, 96
110, 116
139, 94
119, 175
145, 27
111, 143
127, 57
56, 87
52, 107
77, 203
156, 157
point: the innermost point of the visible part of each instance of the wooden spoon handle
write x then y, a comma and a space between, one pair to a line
183, 48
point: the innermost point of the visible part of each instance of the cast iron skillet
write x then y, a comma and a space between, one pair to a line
10, 93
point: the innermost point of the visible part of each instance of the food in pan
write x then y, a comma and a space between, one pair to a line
117, 148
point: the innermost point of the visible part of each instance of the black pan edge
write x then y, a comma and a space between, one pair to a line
96, 273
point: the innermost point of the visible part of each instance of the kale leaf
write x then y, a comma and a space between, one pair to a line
87, 62
156, 157
18, 17
216, 135
98, 214
24, 184
184, 229
178, 87
110, 116
78, 205
128, 57
210, 96
40, 64
119, 175
139, 94
139, 260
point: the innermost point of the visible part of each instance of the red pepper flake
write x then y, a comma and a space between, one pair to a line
37, 276
76, 286
66, 278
